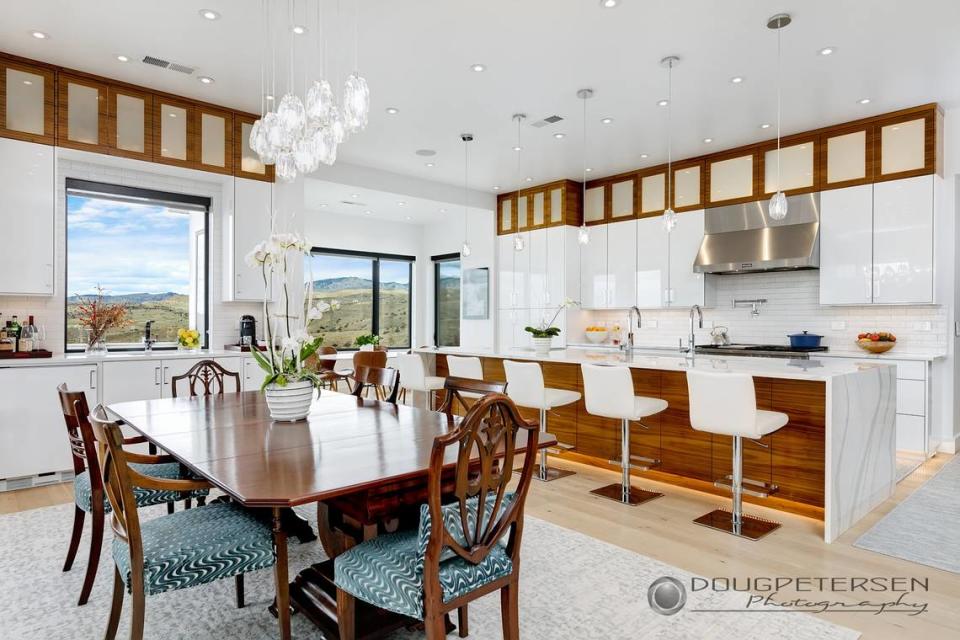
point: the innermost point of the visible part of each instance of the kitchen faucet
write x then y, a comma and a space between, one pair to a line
629, 345
148, 339
691, 345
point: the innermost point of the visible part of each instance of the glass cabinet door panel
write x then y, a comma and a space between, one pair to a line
731, 179
522, 217
538, 209
622, 197
249, 160
686, 187
83, 113
796, 168
213, 140
556, 205
173, 132
593, 205
902, 146
652, 193
506, 214
130, 121
24, 102
847, 157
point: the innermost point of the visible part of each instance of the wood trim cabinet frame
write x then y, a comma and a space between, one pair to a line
761, 163
49, 135
63, 113
731, 155
228, 135
570, 201
147, 97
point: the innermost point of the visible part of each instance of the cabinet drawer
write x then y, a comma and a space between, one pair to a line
910, 430
911, 370
911, 397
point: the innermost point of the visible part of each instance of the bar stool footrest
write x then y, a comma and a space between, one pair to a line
755, 488
648, 463
615, 492
751, 527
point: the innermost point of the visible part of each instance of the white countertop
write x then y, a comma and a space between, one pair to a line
834, 352
670, 360
118, 356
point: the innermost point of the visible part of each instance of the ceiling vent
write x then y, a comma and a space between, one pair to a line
157, 62
166, 64
353, 203
548, 120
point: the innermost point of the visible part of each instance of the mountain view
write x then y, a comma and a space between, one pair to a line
341, 327
169, 311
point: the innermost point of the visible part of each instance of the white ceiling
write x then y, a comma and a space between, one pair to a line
416, 56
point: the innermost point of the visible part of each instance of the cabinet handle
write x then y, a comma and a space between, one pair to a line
93, 378
166, 380
156, 376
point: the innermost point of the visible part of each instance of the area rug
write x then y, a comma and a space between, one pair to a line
572, 586
929, 518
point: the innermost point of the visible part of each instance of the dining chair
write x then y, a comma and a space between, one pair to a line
461, 550
388, 379
376, 358
88, 493
208, 373
175, 551
326, 368
465, 391
413, 377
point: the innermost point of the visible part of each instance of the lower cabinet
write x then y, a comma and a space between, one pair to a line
33, 439
251, 375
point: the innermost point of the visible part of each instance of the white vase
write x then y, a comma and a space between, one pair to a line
289, 403
542, 345
366, 347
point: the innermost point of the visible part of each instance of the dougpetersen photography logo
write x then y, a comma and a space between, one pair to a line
808, 594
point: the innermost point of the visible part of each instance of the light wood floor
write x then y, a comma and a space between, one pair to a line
662, 529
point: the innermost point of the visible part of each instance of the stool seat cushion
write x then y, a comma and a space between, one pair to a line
770, 421
83, 494
558, 398
434, 383
644, 406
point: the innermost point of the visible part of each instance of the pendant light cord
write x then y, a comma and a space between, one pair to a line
263, 55
583, 186
670, 134
291, 36
466, 188
519, 171
779, 91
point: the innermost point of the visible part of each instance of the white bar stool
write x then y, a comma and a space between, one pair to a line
725, 403
608, 392
413, 377
464, 367
526, 388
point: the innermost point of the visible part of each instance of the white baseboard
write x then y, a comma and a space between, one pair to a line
951, 446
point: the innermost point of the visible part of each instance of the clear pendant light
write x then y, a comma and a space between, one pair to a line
778, 203
467, 138
518, 243
669, 215
583, 234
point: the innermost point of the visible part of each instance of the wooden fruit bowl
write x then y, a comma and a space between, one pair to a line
875, 347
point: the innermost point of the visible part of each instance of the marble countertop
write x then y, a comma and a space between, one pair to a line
670, 360
834, 352
59, 359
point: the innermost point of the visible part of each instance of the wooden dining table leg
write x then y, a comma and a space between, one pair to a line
280, 574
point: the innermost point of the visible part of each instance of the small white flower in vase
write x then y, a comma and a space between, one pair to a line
544, 333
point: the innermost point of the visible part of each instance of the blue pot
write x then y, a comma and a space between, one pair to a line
804, 340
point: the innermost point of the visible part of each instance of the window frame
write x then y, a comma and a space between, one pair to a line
375, 277
124, 191
437, 261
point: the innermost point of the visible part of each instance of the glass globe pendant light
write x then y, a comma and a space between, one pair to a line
669, 215
778, 203
467, 138
518, 243
583, 234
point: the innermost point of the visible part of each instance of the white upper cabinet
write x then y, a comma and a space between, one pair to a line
27, 193
621, 264
539, 269
521, 274
652, 263
846, 245
686, 287
556, 260
506, 298
250, 224
903, 240
593, 269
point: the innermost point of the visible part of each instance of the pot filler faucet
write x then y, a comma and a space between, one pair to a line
695, 310
628, 347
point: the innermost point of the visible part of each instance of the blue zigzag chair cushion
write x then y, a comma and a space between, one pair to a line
197, 546
83, 494
387, 571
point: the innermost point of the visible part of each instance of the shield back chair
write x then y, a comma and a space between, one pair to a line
608, 393
461, 550
88, 491
413, 377
386, 379
463, 392
210, 376
725, 404
376, 359
176, 551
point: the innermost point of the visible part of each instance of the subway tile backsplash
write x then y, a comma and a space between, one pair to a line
792, 306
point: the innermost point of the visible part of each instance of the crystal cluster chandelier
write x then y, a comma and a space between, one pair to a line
302, 134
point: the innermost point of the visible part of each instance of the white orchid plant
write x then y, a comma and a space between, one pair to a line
546, 329
289, 344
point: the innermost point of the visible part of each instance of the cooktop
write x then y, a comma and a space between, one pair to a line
760, 350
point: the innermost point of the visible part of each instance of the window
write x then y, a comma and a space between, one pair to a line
446, 300
145, 249
368, 293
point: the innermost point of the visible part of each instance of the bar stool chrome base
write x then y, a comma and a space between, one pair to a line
545, 473
632, 496
552, 473
749, 527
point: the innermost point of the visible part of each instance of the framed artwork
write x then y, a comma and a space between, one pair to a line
476, 294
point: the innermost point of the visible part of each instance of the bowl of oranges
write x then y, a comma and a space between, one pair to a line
596, 334
877, 342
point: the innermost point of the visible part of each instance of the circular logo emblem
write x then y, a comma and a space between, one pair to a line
667, 595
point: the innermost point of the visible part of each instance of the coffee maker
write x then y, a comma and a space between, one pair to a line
248, 331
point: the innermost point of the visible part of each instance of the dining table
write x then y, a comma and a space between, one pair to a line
364, 462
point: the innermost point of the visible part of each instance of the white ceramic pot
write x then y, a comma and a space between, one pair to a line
542, 345
289, 403
366, 347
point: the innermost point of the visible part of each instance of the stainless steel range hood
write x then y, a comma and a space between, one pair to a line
743, 238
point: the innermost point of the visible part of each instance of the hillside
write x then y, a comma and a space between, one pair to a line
352, 282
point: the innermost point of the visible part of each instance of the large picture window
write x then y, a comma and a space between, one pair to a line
367, 293
145, 249
446, 300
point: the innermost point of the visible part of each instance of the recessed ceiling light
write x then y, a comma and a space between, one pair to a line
496, 187
367, 212
323, 204
354, 195
765, 125
401, 203
662, 103
826, 51
268, 97
39, 35
209, 14
299, 29
606, 120
392, 111
443, 210
407, 218
609, 4
123, 58
708, 140
736, 79
588, 169
559, 136
644, 155
529, 178
429, 164
864, 101
478, 67
517, 148
205, 79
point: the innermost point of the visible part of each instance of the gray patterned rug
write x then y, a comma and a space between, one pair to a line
572, 586
929, 518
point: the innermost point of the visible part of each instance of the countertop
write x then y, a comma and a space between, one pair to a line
670, 360
61, 359
834, 352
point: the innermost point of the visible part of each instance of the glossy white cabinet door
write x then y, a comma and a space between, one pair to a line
652, 263
622, 264
32, 435
27, 192
556, 266
903, 241
252, 205
593, 269
846, 245
539, 270
521, 273
252, 375
685, 287
130, 380
506, 298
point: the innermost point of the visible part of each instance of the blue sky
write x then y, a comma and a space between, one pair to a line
126, 248
325, 266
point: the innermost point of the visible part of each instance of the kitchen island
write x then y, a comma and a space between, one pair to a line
834, 460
